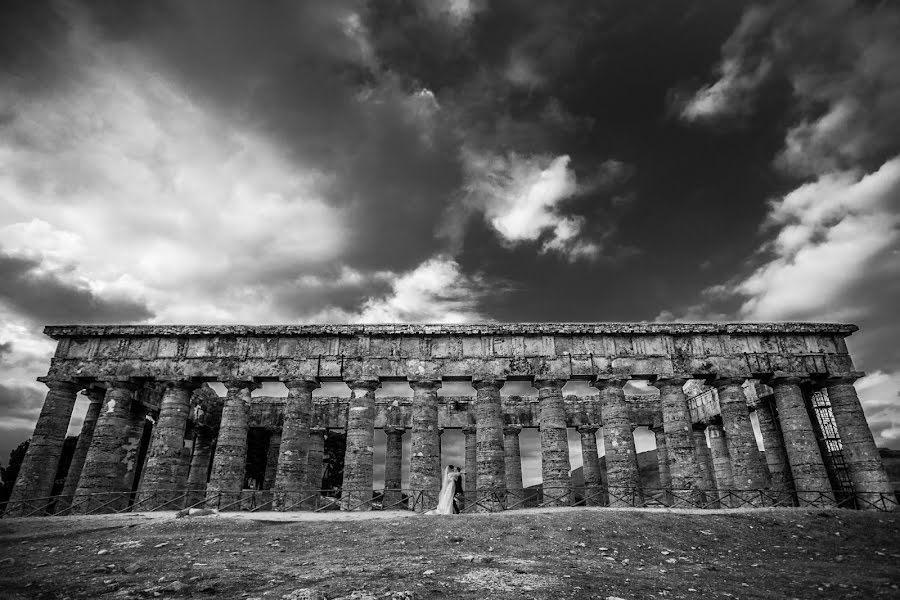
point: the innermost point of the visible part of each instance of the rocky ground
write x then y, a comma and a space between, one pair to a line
556, 553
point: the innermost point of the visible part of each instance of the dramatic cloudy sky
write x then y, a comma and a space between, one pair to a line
448, 160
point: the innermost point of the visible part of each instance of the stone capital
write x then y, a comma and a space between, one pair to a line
480, 384
424, 384
786, 380
590, 428
233, 385
394, 429
61, 384
512, 429
849, 379
608, 382
301, 383
122, 384
469, 430
184, 384
369, 385
670, 382
722, 382
550, 383
317, 431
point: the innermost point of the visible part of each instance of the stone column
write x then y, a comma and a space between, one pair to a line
590, 458
133, 467
163, 477
425, 453
776, 457
807, 468
38, 470
704, 459
315, 464
721, 463
272, 460
471, 475
746, 466
622, 474
393, 461
358, 466
199, 469
662, 461
293, 450
95, 394
230, 460
555, 465
490, 454
513, 458
870, 482
684, 470
102, 480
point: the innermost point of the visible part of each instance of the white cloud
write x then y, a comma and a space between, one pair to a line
879, 393
521, 199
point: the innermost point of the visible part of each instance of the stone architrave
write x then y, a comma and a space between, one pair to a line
683, 467
393, 462
811, 484
470, 432
780, 479
35, 481
316, 463
590, 458
272, 453
721, 459
163, 482
704, 459
746, 467
293, 450
229, 465
199, 469
490, 453
870, 481
95, 394
622, 475
104, 475
513, 460
555, 465
358, 465
425, 449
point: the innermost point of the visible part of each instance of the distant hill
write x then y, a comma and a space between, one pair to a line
891, 460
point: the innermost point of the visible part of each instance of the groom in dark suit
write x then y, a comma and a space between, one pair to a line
458, 493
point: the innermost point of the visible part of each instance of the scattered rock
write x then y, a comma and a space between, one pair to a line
304, 594
102, 551
132, 568
175, 586
161, 544
428, 572
6, 562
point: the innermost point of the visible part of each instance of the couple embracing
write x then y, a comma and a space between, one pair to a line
451, 492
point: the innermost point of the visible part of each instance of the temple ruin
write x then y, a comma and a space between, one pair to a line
156, 437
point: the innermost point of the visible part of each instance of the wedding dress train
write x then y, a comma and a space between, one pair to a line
445, 499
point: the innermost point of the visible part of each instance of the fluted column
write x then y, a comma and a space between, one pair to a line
513, 460
133, 467
38, 470
358, 466
230, 460
272, 453
490, 454
199, 469
555, 465
590, 465
662, 461
721, 463
870, 482
393, 461
425, 452
704, 459
163, 475
746, 466
807, 467
316, 461
776, 456
293, 451
683, 467
622, 474
470, 432
104, 469
95, 395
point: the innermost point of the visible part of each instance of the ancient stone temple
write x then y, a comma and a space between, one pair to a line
156, 436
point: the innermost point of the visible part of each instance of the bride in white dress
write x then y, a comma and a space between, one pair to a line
448, 488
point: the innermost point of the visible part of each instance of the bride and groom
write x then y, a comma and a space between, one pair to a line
451, 492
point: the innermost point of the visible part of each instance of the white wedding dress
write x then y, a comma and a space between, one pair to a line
445, 499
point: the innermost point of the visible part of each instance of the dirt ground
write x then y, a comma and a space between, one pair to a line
555, 553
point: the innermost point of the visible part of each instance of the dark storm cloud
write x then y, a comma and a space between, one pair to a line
20, 402
45, 298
